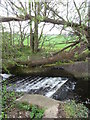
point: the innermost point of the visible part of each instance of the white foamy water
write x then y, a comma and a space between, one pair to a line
5, 76
48, 85
52, 91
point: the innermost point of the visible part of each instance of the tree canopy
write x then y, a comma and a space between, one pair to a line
66, 14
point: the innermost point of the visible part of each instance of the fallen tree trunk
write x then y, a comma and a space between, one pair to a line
58, 56
48, 60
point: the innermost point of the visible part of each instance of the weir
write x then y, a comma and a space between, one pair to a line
58, 88
35, 85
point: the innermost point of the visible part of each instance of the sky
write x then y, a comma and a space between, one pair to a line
55, 30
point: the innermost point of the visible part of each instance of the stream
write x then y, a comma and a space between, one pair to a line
59, 88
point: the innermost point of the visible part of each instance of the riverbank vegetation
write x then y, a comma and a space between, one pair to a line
14, 109
27, 45
16, 55
75, 110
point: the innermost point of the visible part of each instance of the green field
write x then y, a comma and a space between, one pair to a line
48, 45
50, 42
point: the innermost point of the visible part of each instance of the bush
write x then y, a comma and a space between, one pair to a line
74, 110
35, 112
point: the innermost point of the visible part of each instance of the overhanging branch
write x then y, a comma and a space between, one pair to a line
8, 19
46, 20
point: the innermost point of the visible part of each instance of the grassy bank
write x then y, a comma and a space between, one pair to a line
75, 110
12, 109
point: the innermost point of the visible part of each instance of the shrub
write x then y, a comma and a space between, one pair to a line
74, 110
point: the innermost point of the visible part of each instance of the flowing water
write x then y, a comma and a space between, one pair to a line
37, 85
59, 88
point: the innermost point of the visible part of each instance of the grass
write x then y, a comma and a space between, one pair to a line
51, 42
74, 110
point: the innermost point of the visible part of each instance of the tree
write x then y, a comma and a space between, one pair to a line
49, 13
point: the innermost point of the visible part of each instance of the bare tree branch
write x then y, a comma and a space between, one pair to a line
77, 12
54, 12
71, 45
